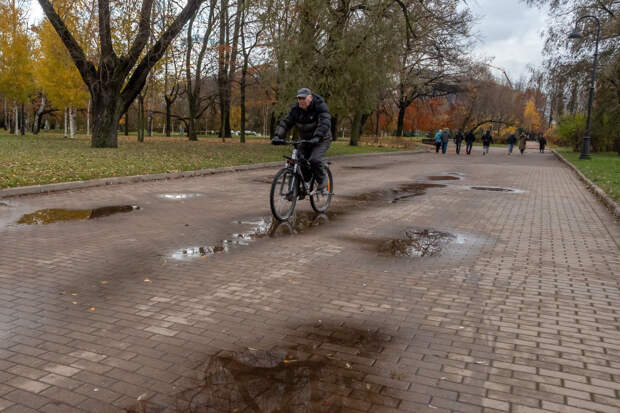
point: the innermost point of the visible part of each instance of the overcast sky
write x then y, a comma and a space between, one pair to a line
508, 32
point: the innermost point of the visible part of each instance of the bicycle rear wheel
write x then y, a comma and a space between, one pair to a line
320, 202
283, 195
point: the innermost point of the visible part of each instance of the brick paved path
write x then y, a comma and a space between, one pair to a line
518, 312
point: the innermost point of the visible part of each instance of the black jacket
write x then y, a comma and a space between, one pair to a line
315, 122
470, 137
512, 139
459, 137
487, 139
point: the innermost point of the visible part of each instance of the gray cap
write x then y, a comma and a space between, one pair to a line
303, 92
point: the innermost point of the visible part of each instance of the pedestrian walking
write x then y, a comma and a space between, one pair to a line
512, 140
542, 142
458, 140
437, 141
469, 142
522, 140
487, 140
445, 137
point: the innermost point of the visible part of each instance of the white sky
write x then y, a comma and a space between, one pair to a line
509, 34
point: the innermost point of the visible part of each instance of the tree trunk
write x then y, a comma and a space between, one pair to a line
46, 126
127, 123
355, 129
149, 131
65, 123
242, 92
22, 123
168, 116
36, 126
401, 118
377, 125
88, 119
107, 112
334, 126
140, 118
6, 117
16, 119
72, 123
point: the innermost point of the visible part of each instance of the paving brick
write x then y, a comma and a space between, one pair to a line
518, 314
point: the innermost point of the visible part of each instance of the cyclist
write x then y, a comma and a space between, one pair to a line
311, 116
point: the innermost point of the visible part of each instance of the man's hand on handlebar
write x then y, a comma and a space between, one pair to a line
278, 141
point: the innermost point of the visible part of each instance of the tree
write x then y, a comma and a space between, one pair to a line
194, 71
56, 74
532, 121
16, 77
115, 81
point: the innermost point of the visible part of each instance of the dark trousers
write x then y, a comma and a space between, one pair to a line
437, 146
458, 148
444, 147
468, 147
315, 153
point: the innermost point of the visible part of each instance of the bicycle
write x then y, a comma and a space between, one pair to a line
290, 184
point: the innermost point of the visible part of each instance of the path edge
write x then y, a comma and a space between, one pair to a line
611, 205
119, 180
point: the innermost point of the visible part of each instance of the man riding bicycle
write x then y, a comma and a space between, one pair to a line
311, 116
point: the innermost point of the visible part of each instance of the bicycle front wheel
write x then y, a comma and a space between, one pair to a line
283, 195
320, 202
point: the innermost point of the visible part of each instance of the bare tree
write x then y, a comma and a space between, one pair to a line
115, 81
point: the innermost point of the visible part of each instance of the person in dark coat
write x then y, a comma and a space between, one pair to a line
487, 140
522, 142
311, 117
458, 140
445, 138
469, 141
511, 141
542, 142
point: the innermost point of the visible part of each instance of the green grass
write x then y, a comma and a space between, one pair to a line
48, 158
603, 169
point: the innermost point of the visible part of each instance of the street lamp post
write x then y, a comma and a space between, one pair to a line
585, 147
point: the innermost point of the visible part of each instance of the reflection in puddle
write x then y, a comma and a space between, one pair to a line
398, 193
180, 196
49, 216
417, 243
443, 178
259, 228
311, 377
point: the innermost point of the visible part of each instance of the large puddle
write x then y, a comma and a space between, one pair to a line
257, 228
496, 189
313, 376
52, 215
395, 194
416, 243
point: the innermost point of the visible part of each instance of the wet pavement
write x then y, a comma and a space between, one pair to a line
433, 284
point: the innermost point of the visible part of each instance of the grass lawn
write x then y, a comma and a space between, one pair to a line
49, 158
603, 169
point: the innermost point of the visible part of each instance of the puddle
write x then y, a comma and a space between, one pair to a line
495, 189
314, 376
3, 204
416, 243
50, 216
398, 193
259, 228
179, 197
443, 178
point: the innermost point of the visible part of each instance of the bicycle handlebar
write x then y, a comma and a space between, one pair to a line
299, 142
